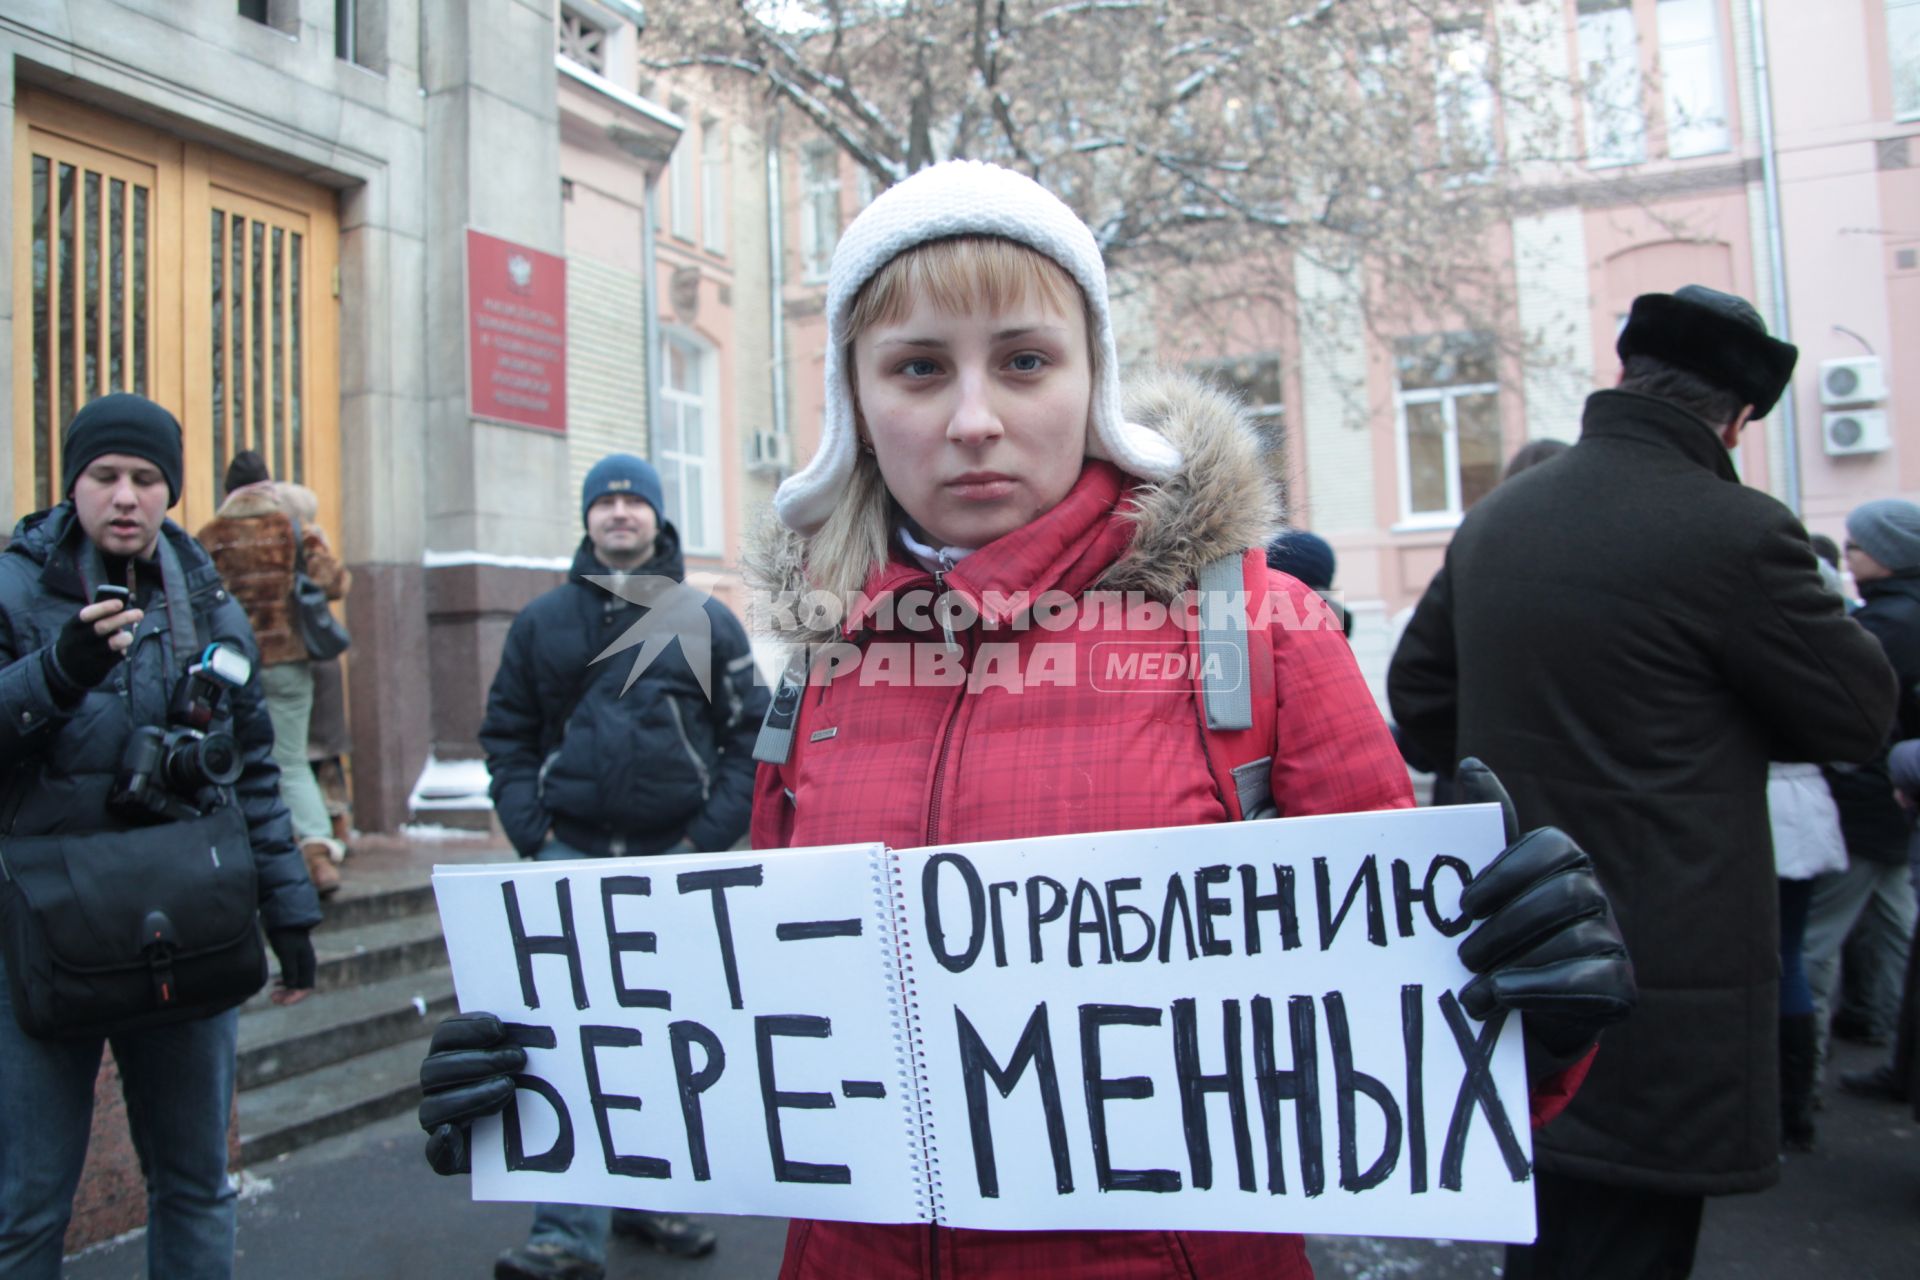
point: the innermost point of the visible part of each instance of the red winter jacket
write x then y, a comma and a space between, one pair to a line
880, 755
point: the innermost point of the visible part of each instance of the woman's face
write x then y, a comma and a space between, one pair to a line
978, 420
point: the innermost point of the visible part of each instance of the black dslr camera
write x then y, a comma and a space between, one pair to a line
174, 773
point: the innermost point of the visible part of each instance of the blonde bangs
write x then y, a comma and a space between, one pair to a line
961, 274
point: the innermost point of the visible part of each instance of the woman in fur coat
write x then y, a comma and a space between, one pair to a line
251, 540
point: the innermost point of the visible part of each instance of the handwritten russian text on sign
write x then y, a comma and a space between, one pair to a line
1251, 1026
516, 333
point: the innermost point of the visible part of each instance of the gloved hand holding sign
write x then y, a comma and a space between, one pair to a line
468, 1073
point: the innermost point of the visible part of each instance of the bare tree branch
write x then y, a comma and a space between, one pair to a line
1232, 141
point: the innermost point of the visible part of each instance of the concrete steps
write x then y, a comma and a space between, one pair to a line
350, 1054
276, 1043
291, 1113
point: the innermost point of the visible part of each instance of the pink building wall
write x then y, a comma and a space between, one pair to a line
1850, 197
1850, 189
1843, 217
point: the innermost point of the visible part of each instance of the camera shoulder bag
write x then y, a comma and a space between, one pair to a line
323, 634
113, 931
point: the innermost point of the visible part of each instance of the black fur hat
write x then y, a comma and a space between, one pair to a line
1715, 335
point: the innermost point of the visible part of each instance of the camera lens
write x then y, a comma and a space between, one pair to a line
196, 761
220, 759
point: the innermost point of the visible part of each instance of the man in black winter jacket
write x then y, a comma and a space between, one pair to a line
621, 722
1869, 907
1627, 637
77, 679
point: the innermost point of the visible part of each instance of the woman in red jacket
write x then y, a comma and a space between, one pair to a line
979, 491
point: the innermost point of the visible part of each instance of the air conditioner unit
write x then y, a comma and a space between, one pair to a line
1847, 431
772, 451
1857, 380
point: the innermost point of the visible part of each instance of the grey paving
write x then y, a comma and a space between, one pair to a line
364, 1207
335, 1186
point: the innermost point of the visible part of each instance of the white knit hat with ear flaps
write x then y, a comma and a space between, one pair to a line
962, 198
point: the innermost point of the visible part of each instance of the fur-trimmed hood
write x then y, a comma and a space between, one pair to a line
1219, 502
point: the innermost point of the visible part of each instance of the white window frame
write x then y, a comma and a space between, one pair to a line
1468, 86
1709, 131
710, 539
1606, 120
713, 186
680, 184
1446, 398
820, 181
1907, 24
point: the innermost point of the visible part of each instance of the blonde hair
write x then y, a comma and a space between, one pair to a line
957, 274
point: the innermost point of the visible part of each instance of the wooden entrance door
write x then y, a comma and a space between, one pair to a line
146, 263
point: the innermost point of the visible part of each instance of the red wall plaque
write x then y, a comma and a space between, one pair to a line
516, 333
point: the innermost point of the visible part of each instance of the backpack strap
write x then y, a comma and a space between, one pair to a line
182, 624
774, 746
1236, 694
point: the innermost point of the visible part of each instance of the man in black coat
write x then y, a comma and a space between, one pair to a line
621, 722
78, 680
1627, 637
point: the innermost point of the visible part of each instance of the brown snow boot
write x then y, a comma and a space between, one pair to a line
318, 855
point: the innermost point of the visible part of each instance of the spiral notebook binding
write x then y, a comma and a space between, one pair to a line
909, 1058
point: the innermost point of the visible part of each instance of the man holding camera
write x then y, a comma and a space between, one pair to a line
127, 711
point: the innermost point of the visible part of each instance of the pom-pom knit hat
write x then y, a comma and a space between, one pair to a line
963, 198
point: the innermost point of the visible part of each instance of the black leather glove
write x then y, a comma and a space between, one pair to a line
1547, 944
80, 658
294, 949
468, 1073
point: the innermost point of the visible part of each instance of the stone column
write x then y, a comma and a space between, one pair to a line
481, 493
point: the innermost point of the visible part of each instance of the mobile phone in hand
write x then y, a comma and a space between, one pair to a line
103, 593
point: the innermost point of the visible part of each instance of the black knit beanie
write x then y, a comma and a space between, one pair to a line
247, 467
1715, 335
122, 423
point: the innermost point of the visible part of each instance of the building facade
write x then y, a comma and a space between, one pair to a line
257, 211
1773, 161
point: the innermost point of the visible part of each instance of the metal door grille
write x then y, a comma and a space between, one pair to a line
92, 285
257, 277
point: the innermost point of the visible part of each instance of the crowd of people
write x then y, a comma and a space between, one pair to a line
1643, 661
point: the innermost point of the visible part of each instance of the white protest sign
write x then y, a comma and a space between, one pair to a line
1248, 1026
749, 1086
1154, 999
